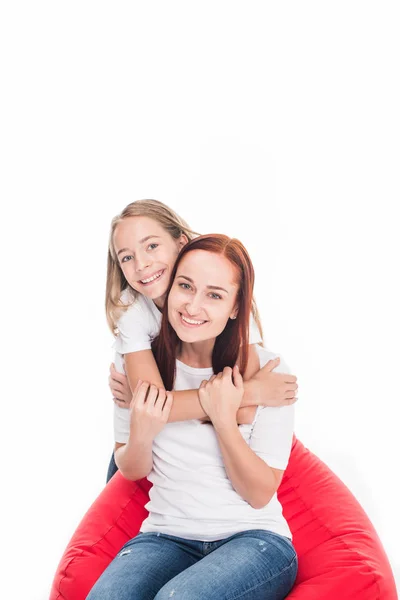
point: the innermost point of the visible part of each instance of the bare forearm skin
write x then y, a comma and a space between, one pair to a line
135, 459
187, 406
250, 476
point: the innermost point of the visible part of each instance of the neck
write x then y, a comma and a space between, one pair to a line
197, 354
159, 302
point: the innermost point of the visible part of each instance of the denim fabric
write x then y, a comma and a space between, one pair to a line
251, 565
112, 468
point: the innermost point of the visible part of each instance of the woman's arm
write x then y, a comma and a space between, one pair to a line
255, 469
134, 459
148, 416
253, 479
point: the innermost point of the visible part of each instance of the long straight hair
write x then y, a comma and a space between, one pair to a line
232, 344
116, 282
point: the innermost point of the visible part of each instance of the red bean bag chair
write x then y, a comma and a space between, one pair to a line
340, 555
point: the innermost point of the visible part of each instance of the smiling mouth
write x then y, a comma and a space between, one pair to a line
191, 322
153, 278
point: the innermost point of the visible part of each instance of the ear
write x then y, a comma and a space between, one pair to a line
182, 241
234, 313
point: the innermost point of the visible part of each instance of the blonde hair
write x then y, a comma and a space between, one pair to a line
116, 282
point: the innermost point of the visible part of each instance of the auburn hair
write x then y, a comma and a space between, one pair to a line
232, 344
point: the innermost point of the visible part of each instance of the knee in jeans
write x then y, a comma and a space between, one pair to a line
167, 593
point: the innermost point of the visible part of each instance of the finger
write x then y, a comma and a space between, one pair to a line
152, 395
237, 377
120, 403
203, 384
167, 405
272, 364
137, 386
116, 387
291, 387
159, 401
220, 375
288, 402
140, 393
120, 377
212, 378
227, 372
289, 378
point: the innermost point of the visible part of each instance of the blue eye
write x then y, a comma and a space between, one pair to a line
216, 296
185, 288
155, 246
126, 258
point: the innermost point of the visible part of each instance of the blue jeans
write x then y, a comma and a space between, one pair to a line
112, 468
251, 565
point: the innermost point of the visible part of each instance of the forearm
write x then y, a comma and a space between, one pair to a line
135, 459
250, 476
186, 406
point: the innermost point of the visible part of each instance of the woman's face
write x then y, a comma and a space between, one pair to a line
146, 254
203, 296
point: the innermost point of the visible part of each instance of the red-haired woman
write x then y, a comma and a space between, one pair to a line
215, 527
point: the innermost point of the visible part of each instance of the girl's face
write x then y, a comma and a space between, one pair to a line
146, 254
203, 296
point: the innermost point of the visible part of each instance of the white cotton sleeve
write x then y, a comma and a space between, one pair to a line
134, 330
121, 424
272, 434
254, 332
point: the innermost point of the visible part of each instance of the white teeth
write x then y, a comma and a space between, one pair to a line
192, 322
151, 278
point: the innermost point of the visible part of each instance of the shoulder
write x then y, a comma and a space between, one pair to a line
137, 308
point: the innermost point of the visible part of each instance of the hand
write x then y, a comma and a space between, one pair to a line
119, 386
273, 389
220, 397
150, 408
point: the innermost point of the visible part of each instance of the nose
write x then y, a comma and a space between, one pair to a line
193, 306
142, 261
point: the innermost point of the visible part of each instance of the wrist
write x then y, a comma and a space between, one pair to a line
139, 441
250, 396
226, 426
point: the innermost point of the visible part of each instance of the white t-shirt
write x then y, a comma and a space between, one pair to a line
140, 324
192, 496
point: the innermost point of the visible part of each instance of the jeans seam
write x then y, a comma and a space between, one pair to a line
266, 581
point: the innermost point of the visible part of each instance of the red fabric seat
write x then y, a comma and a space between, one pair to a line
340, 554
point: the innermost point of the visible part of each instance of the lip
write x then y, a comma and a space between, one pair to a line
162, 271
190, 325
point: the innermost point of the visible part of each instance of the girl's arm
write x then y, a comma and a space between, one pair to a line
259, 385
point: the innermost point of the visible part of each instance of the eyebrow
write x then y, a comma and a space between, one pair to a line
140, 242
210, 287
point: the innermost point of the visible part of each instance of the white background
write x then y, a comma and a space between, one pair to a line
277, 123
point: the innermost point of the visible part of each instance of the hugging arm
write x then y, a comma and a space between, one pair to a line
261, 386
